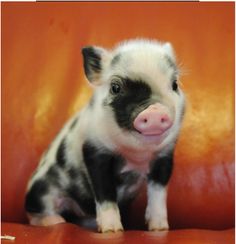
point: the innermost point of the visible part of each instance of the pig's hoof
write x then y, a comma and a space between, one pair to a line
158, 226
104, 230
108, 218
46, 220
110, 228
110, 225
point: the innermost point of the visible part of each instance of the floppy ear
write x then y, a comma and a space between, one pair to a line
169, 50
93, 58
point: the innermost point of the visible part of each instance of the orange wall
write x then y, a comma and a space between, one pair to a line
43, 84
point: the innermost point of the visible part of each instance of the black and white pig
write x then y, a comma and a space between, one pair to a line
131, 122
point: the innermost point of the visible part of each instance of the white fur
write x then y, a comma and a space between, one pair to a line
156, 211
108, 217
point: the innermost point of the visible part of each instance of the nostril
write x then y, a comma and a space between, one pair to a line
145, 120
163, 120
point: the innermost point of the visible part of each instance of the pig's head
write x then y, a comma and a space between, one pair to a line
137, 99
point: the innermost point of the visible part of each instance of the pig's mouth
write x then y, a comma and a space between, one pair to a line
152, 135
152, 131
156, 133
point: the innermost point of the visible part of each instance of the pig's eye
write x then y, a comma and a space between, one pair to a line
115, 88
174, 85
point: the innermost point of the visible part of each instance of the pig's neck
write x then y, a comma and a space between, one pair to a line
136, 159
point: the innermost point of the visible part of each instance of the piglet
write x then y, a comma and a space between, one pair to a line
125, 134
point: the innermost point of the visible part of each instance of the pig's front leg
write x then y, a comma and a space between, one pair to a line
156, 211
101, 166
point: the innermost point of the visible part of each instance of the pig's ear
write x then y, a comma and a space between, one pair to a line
169, 50
93, 63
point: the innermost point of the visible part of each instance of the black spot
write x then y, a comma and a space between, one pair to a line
60, 157
87, 222
115, 60
53, 175
33, 201
69, 216
74, 123
92, 61
102, 168
135, 97
127, 178
80, 190
161, 170
85, 201
73, 173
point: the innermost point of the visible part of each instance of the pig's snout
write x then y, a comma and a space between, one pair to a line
154, 120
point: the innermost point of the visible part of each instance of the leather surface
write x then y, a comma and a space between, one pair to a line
43, 85
68, 233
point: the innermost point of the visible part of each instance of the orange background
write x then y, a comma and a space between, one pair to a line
43, 84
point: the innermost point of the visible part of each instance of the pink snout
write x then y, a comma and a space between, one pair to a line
154, 120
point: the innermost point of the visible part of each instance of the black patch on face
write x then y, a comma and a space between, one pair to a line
102, 167
161, 170
134, 97
60, 157
92, 61
115, 60
33, 201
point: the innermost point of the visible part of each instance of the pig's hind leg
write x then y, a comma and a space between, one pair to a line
43, 204
45, 220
